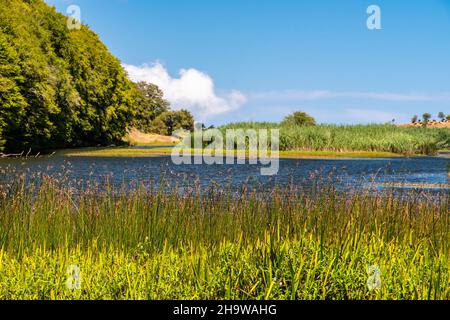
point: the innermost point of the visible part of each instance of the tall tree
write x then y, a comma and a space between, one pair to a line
58, 87
170, 121
150, 103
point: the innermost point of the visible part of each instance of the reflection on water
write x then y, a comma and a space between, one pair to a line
420, 173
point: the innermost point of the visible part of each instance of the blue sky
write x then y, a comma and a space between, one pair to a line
259, 60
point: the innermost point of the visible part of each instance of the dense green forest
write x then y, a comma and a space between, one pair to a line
61, 87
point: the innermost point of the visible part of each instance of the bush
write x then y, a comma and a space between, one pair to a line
299, 119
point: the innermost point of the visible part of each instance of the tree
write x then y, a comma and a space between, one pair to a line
2, 142
184, 120
168, 122
299, 119
63, 88
441, 116
58, 87
414, 119
448, 117
12, 102
159, 125
149, 105
426, 117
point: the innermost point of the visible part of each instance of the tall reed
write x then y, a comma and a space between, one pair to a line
160, 243
382, 138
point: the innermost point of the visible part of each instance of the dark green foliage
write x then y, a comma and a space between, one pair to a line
153, 114
299, 119
426, 117
2, 142
58, 87
149, 105
168, 122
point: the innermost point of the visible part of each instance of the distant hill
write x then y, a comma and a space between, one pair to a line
58, 87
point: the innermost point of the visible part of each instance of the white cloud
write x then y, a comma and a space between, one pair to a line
325, 94
192, 90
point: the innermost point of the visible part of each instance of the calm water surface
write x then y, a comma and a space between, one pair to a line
421, 172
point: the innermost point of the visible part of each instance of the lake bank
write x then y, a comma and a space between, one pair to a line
156, 151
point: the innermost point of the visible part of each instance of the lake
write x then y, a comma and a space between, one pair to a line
428, 173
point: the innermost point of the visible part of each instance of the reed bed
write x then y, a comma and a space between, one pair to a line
160, 243
339, 138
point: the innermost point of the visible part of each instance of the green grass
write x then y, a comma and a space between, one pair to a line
337, 154
153, 144
226, 244
336, 138
117, 152
322, 141
133, 152
132, 142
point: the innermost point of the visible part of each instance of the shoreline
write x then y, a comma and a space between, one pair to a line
121, 152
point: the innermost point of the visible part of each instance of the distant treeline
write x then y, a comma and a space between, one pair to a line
381, 138
62, 88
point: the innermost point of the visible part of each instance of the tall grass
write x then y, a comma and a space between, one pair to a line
221, 244
382, 138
